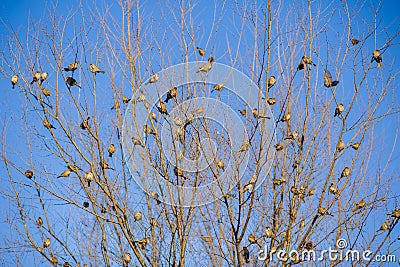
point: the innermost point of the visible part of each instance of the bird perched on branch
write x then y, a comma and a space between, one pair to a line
14, 80
278, 147
104, 165
111, 150
206, 67
39, 222
384, 226
355, 146
94, 69
359, 205
143, 242
221, 164
322, 211
85, 124
43, 77
293, 135
46, 92
89, 177
245, 146
218, 87
162, 108
48, 125
46, 243
376, 55
156, 197
125, 100
148, 130
340, 146
346, 172
286, 117
137, 216
28, 174
252, 239
179, 172
250, 184
339, 109
67, 172
246, 255
72, 67
153, 78
271, 101
328, 80
308, 61
36, 77
171, 94
258, 115
271, 82
354, 41
333, 189
201, 51
72, 82
126, 259
395, 214
154, 222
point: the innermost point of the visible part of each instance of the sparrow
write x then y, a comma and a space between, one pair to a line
46, 92
85, 124
148, 130
311, 192
153, 222
65, 173
243, 112
384, 226
125, 100
301, 65
46, 243
278, 147
271, 101
218, 87
153, 116
153, 78
355, 146
179, 172
328, 79
333, 189
43, 77
339, 109
72, 82
126, 259
94, 69
155, 195
116, 105
359, 205
395, 214
28, 174
302, 224
271, 82
252, 239
162, 108
171, 94
221, 164
244, 147
293, 135
285, 117
322, 211
104, 165
136, 141
376, 55
206, 67
201, 51
258, 115
269, 233
111, 150
48, 125
71, 67
89, 177
246, 255
340, 146
143, 242
307, 60
54, 260
14, 80
137, 216
141, 98
39, 222
250, 184
346, 172
354, 41
36, 77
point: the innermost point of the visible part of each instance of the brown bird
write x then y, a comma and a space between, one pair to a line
293, 135
85, 124
346, 172
376, 55
94, 69
89, 177
395, 214
258, 115
125, 100
250, 184
201, 51
328, 79
322, 211
271, 82
39, 222
243, 112
339, 109
46, 92
149, 130
162, 108
333, 189
221, 164
36, 77
359, 205
143, 242
355, 146
271, 101
141, 98
278, 147
206, 67
311, 192
153, 222
301, 66
117, 105
279, 181
384, 226
137, 216
126, 259
252, 239
111, 150
179, 172
66, 264
269, 233
104, 165
285, 117
65, 173
72, 67
14, 80
171, 94
354, 41
153, 116
153, 78
72, 82
46, 243
43, 77
245, 146
48, 125
218, 87
156, 197
307, 60
340, 146
54, 260
28, 174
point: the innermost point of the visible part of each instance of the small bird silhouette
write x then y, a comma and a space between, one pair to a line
286, 117
65, 173
85, 124
143, 242
111, 150
339, 109
243, 112
86, 204
154, 222
346, 172
384, 226
340, 146
148, 130
206, 67
14, 80
201, 51
218, 87
271, 101
43, 77
117, 105
72, 67
246, 255
89, 177
46, 92
54, 260
250, 184
354, 41
171, 94
94, 69
28, 174
36, 77
125, 100
355, 146
46, 243
269, 233
162, 108
72, 82
137, 216
333, 189
376, 55
271, 82
105, 166
221, 164
278, 147
252, 239
156, 197
245, 146
395, 214
293, 135
258, 115
301, 66
48, 125
39, 222
322, 211
179, 173
328, 80
311, 192
359, 205
126, 259
307, 60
